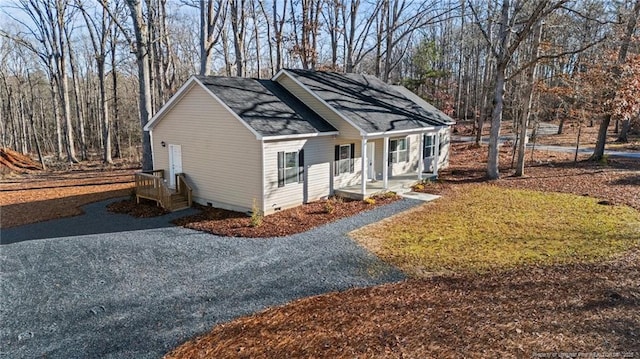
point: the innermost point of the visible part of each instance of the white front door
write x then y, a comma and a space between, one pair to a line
175, 163
371, 168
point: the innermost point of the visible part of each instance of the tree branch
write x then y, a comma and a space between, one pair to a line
555, 56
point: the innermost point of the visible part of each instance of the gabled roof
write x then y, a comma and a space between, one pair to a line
369, 103
266, 106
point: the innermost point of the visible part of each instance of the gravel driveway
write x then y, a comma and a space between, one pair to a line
138, 293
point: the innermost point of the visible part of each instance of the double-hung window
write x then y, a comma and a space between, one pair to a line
398, 150
290, 167
344, 155
429, 146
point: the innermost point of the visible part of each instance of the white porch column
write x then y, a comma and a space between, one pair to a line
436, 160
421, 156
363, 165
385, 162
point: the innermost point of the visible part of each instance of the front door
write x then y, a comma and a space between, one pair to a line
371, 168
175, 163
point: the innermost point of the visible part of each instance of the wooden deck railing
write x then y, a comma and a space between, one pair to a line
151, 185
183, 188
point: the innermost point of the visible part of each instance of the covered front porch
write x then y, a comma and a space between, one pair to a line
395, 161
399, 184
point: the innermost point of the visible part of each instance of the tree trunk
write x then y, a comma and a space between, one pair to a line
598, 153
493, 161
238, 26
116, 115
526, 118
78, 105
144, 78
622, 137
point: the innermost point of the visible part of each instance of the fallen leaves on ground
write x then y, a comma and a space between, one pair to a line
616, 180
49, 195
517, 314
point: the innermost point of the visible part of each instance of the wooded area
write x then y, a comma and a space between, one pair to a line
80, 77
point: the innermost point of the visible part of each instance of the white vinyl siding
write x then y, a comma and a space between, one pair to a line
445, 146
317, 180
345, 129
220, 156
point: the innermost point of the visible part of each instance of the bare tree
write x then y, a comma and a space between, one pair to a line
140, 29
513, 20
211, 14
99, 33
598, 153
238, 24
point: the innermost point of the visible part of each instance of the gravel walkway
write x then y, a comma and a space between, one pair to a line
138, 293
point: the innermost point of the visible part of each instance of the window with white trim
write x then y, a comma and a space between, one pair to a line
344, 157
398, 150
429, 146
290, 167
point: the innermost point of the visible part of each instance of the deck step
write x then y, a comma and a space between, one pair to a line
178, 202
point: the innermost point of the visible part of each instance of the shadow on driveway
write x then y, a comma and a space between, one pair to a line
95, 220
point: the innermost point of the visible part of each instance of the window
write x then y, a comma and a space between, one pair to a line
398, 150
290, 167
429, 146
344, 159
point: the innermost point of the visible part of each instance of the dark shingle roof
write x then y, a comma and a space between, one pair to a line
266, 106
369, 103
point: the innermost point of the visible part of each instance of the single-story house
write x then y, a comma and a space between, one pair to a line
298, 137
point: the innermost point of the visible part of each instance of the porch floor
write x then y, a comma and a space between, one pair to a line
399, 184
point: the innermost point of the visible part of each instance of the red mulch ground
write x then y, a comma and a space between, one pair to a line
282, 223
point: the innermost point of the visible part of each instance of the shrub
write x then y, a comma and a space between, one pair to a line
370, 201
297, 214
390, 194
329, 208
256, 215
418, 187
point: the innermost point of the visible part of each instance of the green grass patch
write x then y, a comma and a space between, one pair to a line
481, 228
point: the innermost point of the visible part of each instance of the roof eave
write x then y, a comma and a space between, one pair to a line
299, 135
408, 131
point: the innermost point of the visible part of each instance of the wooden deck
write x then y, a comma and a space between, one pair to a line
151, 185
